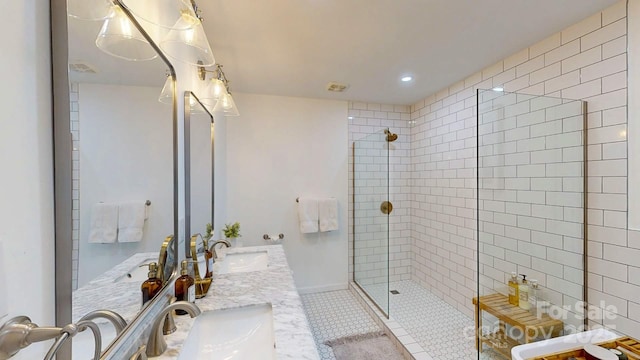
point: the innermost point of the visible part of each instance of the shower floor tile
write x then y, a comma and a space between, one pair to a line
335, 314
442, 330
434, 324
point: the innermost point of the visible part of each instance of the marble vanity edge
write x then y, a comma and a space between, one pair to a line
293, 337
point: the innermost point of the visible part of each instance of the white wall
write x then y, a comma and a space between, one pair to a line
126, 154
26, 188
278, 149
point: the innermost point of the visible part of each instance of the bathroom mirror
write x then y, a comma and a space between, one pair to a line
124, 180
199, 156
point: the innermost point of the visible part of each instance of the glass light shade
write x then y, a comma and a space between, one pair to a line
89, 9
163, 13
120, 38
227, 105
191, 45
194, 106
214, 90
166, 96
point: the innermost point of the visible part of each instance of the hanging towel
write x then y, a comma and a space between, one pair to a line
104, 224
328, 214
131, 221
308, 215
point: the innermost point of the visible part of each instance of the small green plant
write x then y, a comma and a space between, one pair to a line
209, 232
232, 230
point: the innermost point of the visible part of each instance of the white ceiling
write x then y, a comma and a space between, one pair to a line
295, 47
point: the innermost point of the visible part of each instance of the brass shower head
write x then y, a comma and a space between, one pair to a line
390, 136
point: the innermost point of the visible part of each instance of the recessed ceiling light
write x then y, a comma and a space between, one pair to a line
498, 88
350, 117
406, 78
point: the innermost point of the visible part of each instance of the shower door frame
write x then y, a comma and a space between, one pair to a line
353, 219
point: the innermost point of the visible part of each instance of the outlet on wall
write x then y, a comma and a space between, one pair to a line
4, 309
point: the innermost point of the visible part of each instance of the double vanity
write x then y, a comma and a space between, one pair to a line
252, 309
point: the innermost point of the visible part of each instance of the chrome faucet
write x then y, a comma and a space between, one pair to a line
213, 246
118, 322
156, 344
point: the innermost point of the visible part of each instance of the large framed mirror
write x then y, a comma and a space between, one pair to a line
199, 167
124, 184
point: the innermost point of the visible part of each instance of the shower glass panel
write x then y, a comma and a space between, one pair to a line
371, 219
531, 216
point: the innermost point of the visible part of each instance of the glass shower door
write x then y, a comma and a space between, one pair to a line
371, 219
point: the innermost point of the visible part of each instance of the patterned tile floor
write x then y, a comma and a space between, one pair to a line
437, 326
333, 315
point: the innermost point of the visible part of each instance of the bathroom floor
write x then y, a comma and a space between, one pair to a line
333, 315
437, 326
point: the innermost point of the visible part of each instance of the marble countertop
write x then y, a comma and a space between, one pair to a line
275, 286
104, 292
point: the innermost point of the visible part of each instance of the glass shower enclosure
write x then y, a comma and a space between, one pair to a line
371, 216
531, 166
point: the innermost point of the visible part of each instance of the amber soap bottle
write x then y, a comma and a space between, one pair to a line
152, 285
185, 289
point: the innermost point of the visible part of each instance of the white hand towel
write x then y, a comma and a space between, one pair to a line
308, 215
328, 214
131, 221
104, 224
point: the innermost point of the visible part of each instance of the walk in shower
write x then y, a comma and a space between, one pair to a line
491, 184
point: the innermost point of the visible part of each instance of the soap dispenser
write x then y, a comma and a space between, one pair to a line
514, 294
152, 285
185, 289
533, 298
523, 291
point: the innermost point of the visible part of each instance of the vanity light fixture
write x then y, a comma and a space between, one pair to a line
120, 38
217, 93
166, 95
187, 41
165, 14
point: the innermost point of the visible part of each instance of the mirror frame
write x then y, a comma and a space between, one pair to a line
187, 166
62, 162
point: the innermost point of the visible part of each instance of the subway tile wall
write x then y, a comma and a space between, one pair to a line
366, 119
585, 61
75, 168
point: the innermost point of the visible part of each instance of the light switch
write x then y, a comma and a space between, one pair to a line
4, 309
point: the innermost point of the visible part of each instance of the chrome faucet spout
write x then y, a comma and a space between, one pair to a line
156, 344
118, 321
213, 246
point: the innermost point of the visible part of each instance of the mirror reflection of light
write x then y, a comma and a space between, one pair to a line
623, 134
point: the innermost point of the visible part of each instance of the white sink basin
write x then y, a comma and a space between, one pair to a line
243, 262
244, 333
138, 273
562, 343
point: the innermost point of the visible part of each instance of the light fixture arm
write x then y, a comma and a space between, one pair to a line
218, 74
196, 10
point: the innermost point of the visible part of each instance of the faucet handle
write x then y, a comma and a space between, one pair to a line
141, 354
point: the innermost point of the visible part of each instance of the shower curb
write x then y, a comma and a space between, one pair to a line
409, 348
